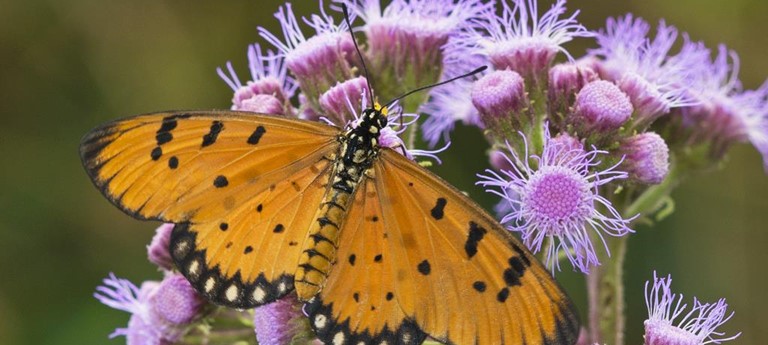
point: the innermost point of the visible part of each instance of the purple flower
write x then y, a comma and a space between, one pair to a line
500, 97
338, 101
557, 198
520, 39
144, 326
601, 107
646, 158
727, 114
157, 250
448, 103
317, 62
269, 77
644, 69
668, 322
176, 301
405, 39
564, 82
281, 322
160, 312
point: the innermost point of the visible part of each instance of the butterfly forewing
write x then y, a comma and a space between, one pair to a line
243, 188
450, 269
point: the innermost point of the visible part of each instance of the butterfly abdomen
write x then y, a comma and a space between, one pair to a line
357, 152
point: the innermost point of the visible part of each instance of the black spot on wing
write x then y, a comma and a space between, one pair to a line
521, 253
256, 135
223, 226
173, 162
213, 133
352, 259
476, 233
437, 211
278, 228
502, 295
259, 208
390, 296
377, 258
163, 135
220, 181
247, 250
511, 277
163, 138
479, 286
156, 153
424, 267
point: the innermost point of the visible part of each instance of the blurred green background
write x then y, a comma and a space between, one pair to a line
67, 66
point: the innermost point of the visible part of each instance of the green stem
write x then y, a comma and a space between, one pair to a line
605, 284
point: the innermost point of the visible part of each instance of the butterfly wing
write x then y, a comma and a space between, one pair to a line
448, 269
237, 184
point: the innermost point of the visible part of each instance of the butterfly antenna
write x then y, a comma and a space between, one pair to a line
359, 54
476, 71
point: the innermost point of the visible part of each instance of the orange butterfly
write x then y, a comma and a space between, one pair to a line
382, 250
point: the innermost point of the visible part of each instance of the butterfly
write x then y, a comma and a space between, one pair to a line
381, 250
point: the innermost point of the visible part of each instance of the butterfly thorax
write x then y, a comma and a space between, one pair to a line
357, 152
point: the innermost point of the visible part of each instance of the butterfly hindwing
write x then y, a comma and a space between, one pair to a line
238, 185
447, 269
357, 304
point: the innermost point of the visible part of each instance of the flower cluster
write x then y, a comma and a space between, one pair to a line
581, 148
161, 312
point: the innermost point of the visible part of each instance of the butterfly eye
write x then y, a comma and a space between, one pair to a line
382, 121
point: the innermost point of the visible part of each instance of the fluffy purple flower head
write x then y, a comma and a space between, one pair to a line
557, 198
643, 68
520, 39
564, 82
668, 322
448, 103
176, 301
157, 250
601, 107
646, 158
317, 62
280, 322
499, 97
727, 114
269, 76
405, 39
337, 102
263, 104
145, 326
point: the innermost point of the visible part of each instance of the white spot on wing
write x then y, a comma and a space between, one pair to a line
259, 294
338, 339
406, 338
210, 284
320, 321
282, 287
232, 292
194, 268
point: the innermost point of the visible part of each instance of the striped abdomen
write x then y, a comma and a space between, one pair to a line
320, 253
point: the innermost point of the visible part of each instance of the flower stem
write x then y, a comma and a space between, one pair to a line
605, 285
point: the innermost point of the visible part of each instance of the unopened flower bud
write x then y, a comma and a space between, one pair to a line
565, 81
646, 158
499, 97
158, 250
601, 107
176, 301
